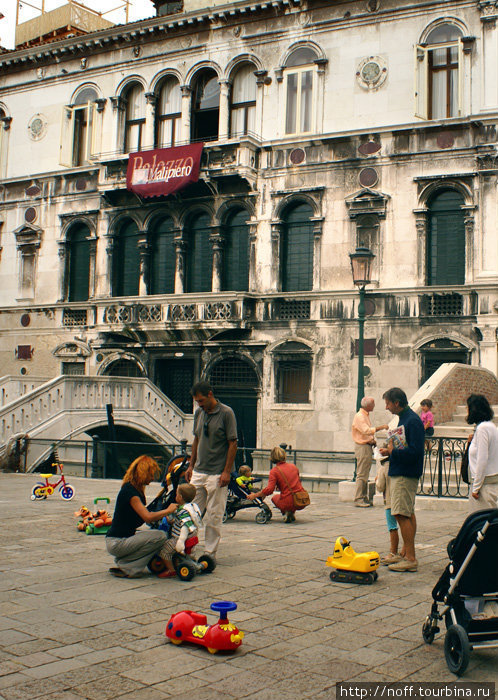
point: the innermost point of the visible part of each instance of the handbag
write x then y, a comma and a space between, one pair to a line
301, 498
464, 467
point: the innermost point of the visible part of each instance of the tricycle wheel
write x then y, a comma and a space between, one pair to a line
156, 565
207, 562
211, 650
457, 649
175, 641
186, 570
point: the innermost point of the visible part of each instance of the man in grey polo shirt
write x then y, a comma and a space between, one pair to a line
213, 454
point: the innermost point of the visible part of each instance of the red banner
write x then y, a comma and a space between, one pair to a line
163, 170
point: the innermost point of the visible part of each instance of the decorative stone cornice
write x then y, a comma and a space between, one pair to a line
489, 10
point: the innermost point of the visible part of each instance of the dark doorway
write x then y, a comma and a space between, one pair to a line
440, 351
175, 378
236, 384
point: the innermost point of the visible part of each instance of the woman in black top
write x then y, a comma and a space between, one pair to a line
133, 550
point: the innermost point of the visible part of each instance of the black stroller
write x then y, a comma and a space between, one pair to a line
237, 500
468, 590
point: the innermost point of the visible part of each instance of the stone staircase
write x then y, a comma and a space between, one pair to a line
66, 407
457, 427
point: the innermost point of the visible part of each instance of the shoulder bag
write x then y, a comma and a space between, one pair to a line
464, 468
301, 498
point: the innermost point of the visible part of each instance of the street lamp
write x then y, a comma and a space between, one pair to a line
361, 267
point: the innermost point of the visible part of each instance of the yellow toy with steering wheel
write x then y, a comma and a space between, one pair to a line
350, 566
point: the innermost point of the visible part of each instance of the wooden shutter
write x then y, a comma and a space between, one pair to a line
79, 264
421, 82
297, 250
199, 256
163, 259
67, 137
446, 245
126, 261
236, 261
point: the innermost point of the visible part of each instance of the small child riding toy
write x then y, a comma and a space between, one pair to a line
188, 626
350, 566
46, 488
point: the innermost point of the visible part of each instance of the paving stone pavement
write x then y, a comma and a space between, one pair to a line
68, 630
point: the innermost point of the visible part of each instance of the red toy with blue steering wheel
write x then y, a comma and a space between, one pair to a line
189, 626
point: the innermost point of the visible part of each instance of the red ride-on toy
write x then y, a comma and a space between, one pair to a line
188, 626
186, 566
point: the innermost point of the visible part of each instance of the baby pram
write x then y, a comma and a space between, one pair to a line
237, 500
468, 590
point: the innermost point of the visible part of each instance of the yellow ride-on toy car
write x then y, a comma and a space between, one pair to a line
351, 567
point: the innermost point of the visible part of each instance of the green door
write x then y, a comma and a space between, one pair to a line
446, 243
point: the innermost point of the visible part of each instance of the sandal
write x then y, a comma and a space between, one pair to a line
119, 573
166, 574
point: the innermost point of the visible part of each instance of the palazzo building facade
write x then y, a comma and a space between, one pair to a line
324, 126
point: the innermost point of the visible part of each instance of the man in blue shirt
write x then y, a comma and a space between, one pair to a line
405, 469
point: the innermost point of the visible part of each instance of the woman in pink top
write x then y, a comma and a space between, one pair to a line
285, 477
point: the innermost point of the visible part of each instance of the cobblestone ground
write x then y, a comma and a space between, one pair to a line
69, 630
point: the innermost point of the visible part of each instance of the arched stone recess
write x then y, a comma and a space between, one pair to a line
428, 188
135, 78
162, 75
237, 61
136, 424
202, 65
284, 201
455, 337
86, 86
110, 359
437, 349
72, 349
69, 222
212, 360
456, 21
229, 205
289, 365
304, 44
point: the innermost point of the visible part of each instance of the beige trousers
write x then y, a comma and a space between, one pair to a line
363, 454
211, 498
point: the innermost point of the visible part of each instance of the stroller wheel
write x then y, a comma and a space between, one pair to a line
225, 517
429, 630
456, 649
262, 517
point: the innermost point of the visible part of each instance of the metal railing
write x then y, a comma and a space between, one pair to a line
96, 458
442, 463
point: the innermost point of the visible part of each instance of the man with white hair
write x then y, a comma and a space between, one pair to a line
363, 434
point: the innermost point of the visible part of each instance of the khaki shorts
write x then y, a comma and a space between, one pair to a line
403, 490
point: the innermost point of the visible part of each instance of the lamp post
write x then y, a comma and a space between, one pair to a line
361, 267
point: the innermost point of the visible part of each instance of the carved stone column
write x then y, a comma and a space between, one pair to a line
489, 55
276, 235
469, 222
119, 109
421, 226
186, 111
217, 242
253, 231
109, 275
150, 120
144, 253
180, 250
63, 269
224, 117
261, 80
92, 271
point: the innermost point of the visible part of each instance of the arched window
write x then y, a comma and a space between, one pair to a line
243, 101
293, 365
299, 85
297, 249
123, 368
134, 117
162, 265
206, 106
236, 260
440, 351
446, 241
440, 68
79, 130
199, 255
126, 261
78, 263
168, 113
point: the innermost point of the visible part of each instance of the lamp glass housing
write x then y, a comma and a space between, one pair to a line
361, 266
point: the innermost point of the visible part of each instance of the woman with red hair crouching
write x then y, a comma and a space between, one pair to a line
133, 550
284, 476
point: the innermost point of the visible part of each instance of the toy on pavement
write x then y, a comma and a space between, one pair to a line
186, 566
46, 488
350, 566
188, 626
97, 523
